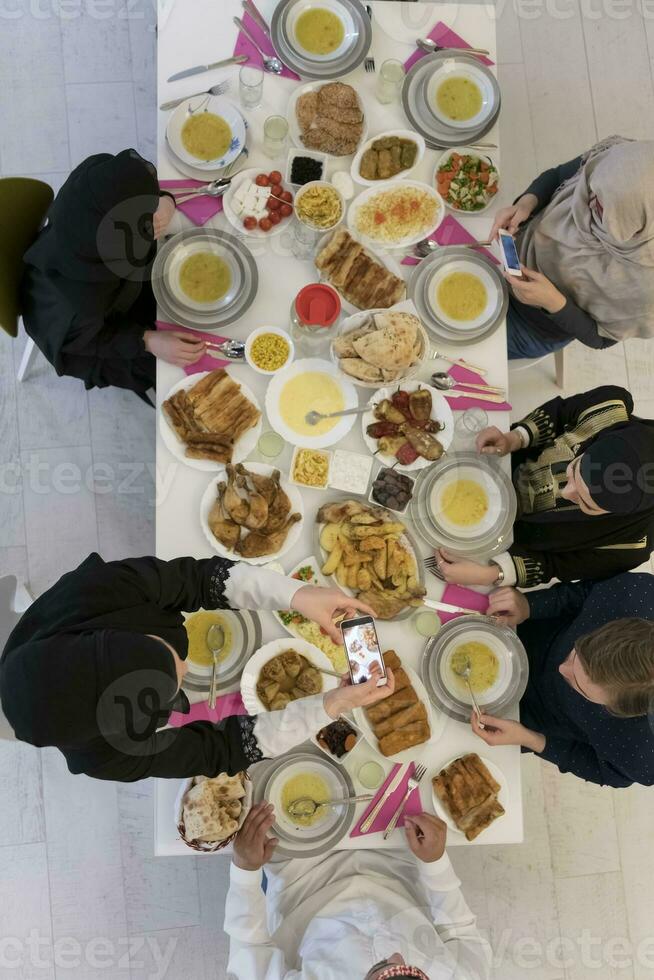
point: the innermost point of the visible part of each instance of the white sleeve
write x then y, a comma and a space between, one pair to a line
253, 587
252, 953
524, 435
278, 731
505, 561
469, 955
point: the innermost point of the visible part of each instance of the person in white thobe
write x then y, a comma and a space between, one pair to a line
350, 915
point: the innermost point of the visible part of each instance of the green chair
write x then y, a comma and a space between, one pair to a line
23, 206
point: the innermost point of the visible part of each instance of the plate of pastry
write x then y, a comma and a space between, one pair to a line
364, 279
251, 514
470, 794
209, 420
283, 671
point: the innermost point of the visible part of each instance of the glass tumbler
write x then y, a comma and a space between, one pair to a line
275, 132
390, 81
250, 82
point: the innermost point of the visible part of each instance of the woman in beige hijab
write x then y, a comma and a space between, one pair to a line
585, 236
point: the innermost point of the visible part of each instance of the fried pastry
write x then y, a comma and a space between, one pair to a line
469, 792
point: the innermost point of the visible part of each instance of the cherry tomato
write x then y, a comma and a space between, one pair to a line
277, 190
262, 180
273, 204
287, 196
265, 224
250, 223
275, 177
286, 210
275, 217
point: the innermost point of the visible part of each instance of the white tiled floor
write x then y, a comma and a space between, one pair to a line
76, 855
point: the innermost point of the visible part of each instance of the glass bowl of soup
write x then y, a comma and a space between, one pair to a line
460, 95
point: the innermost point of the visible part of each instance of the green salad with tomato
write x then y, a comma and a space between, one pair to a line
467, 182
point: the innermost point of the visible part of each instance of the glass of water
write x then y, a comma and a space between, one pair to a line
270, 445
250, 82
468, 426
275, 132
390, 81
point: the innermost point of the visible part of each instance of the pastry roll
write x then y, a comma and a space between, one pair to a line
414, 734
397, 702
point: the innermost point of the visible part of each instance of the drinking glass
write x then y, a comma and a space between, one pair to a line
275, 132
427, 623
468, 426
390, 81
304, 240
250, 81
270, 445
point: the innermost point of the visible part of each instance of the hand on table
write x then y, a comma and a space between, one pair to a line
503, 731
492, 442
510, 218
324, 606
535, 289
252, 846
426, 836
348, 696
464, 571
508, 606
174, 346
163, 216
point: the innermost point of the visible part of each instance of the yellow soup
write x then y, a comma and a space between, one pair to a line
319, 31
205, 277
206, 136
305, 784
197, 627
311, 391
484, 666
459, 98
462, 296
464, 502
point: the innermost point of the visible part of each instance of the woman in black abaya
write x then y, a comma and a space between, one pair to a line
86, 296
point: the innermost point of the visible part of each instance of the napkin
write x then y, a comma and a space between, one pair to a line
245, 46
227, 705
199, 209
206, 363
413, 804
451, 232
462, 375
458, 595
442, 34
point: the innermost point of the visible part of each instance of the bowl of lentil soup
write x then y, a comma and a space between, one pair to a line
269, 349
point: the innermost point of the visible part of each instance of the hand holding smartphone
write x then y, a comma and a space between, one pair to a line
362, 649
510, 257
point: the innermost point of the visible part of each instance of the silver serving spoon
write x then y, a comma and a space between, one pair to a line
429, 245
306, 807
465, 673
426, 44
312, 418
445, 382
273, 65
215, 642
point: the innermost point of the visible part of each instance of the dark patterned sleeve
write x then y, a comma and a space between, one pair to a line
588, 414
540, 567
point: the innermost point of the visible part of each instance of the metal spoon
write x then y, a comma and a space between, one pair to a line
465, 673
426, 44
215, 189
233, 350
306, 807
273, 65
445, 382
312, 418
429, 245
215, 642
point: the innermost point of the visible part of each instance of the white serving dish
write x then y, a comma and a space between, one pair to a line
236, 221
451, 69
393, 185
270, 650
320, 183
502, 796
386, 259
473, 269
219, 106
465, 151
305, 486
279, 333
294, 130
350, 32
440, 412
408, 134
312, 155
274, 391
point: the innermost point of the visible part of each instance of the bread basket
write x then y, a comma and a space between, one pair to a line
210, 847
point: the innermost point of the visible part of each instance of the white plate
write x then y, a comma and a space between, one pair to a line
386, 259
466, 151
393, 185
473, 269
349, 27
219, 107
274, 391
408, 134
242, 448
440, 412
476, 475
502, 796
451, 69
436, 723
235, 219
294, 126
209, 498
267, 652
457, 686
330, 816
227, 668
357, 319
175, 262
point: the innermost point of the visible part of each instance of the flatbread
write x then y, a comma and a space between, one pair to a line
357, 368
226, 787
390, 348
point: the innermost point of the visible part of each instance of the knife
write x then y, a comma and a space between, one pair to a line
374, 813
446, 607
250, 9
238, 59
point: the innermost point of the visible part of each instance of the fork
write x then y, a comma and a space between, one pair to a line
369, 63
220, 89
413, 783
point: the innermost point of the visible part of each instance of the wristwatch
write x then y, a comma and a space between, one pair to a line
500, 573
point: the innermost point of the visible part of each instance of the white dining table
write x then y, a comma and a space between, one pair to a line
202, 31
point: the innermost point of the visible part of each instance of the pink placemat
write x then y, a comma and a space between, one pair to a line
442, 34
206, 363
412, 807
451, 232
201, 208
227, 705
245, 46
462, 375
458, 595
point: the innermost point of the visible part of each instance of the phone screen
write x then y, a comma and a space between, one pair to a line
510, 252
362, 648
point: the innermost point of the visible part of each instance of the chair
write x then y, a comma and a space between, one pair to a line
14, 600
524, 363
23, 206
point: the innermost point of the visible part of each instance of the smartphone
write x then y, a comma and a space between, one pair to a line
510, 258
362, 649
